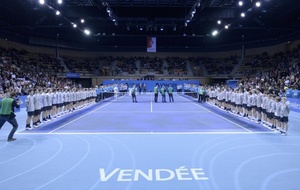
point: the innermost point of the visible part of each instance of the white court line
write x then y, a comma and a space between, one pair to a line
149, 133
80, 117
221, 117
160, 111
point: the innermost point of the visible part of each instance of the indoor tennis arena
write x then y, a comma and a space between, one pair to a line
150, 94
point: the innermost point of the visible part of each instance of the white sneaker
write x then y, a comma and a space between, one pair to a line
29, 128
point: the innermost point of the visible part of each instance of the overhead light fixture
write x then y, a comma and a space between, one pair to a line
42, 2
59, 1
241, 3
82, 20
257, 4
74, 25
219, 21
57, 13
243, 14
226, 26
215, 32
194, 11
87, 32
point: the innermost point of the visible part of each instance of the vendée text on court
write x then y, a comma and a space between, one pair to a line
181, 174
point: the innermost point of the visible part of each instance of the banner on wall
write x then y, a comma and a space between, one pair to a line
151, 44
294, 104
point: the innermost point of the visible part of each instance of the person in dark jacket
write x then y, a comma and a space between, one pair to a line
7, 114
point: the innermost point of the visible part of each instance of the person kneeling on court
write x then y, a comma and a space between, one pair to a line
7, 106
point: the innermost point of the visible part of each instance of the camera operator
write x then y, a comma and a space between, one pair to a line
7, 106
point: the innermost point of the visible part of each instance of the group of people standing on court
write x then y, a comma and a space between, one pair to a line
44, 104
163, 91
257, 104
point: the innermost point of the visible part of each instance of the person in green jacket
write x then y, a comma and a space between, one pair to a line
170, 93
163, 94
133, 95
7, 106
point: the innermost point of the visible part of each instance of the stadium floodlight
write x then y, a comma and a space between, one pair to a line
87, 32
42, 2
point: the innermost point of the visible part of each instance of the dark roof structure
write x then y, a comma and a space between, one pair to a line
124, 25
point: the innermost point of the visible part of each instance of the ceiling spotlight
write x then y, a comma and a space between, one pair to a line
87, 32
214, 33
74, 25
108, 10
59, 1
82, 20
243, 14
57, 13
226, 26
42, 2
194, 11
161, 28
241, 3
257, 4
219, 21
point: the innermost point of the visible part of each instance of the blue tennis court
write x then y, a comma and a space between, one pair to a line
118, 144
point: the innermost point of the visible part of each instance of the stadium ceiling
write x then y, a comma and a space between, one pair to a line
125, 24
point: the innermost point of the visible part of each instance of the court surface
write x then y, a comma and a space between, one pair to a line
117, 144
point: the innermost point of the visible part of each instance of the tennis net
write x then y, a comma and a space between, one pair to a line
148, 97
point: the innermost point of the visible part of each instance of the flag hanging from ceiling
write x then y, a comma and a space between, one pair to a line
151, 44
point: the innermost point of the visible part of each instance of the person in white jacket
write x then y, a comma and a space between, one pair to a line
285, 110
